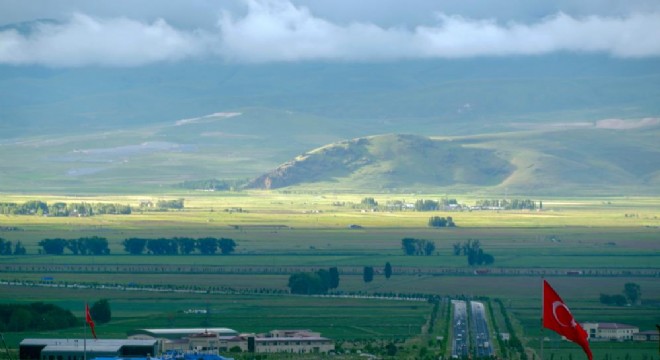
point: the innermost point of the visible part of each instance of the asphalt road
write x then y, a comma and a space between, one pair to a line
460, 341
483, 346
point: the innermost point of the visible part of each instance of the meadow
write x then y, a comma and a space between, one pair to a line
583, 246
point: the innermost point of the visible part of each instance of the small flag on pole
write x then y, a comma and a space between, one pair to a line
88, 318
557, 317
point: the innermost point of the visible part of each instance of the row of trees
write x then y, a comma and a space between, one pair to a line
179, 245
439, 221
176, 204
61, 209
136, 246
313, 283
319, 282
212, 184
41, 208
431, 205
413, 246
35, 317
514, 204
8, 248
82, 246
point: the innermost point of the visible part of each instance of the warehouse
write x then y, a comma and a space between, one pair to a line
78, 349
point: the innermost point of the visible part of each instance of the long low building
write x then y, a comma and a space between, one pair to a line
294, 344
79, 349
610, 331
224, 339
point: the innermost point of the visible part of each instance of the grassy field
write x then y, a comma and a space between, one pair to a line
611, 240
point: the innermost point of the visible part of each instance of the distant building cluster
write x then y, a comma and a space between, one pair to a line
175, 344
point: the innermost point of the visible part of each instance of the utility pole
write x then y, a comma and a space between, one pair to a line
5, 344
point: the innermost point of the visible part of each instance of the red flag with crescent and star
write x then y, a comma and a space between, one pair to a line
88, 319
557, 317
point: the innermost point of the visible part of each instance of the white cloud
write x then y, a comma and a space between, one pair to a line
85, 40
281, 31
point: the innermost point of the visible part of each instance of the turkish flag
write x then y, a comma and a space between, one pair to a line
88, 318
557, 317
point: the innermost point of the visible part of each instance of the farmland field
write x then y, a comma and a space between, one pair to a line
584, 247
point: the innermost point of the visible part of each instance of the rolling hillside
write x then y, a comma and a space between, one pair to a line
587, 160
393, 161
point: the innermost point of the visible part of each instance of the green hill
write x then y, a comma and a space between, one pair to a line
587, 160
393, 161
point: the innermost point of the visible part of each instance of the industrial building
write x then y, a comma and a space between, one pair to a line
78, 349
214, 340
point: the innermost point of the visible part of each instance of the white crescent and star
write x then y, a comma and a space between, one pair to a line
555, 306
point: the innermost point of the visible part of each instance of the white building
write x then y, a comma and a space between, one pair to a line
293, 341
212, 340
610, 331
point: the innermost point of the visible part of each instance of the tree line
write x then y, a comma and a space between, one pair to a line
321, 281
82, 246
8, 248
440, 221
35, 317
212, 184
515, 204
413, 246
137, 246
60, 209
179, 246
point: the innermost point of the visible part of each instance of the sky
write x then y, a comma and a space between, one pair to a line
125, 33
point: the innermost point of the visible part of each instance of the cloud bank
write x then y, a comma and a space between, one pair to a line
274, 31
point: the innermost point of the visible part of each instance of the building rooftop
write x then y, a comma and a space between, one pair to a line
90, 342
615, 326
291, 338
181, 332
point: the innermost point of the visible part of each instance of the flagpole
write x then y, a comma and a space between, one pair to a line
543, 299
85, 334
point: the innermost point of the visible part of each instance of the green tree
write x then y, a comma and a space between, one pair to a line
186, 245
409, 246
429, 247
101, 312
307, 283
633, 292
20, 320
226, 246
369, 202
388, 270
391, 349
134, 246
368, 274
53, 246
207, 246
96, 245
334, 277
19, 249
5, 247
